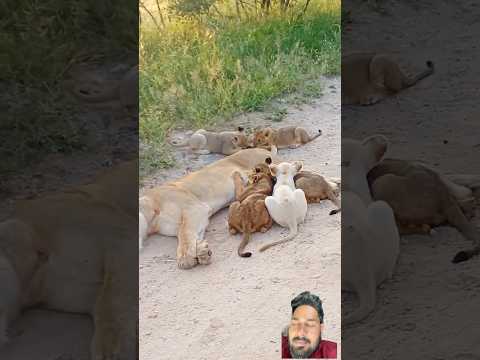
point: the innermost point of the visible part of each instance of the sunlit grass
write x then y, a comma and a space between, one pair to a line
196, 74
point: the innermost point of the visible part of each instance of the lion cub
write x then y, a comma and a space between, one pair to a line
368, 78
287, 205
284, 137
204, 142
316, 188
248, 213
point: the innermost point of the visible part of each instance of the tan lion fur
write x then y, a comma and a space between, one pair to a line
248, 214
71, 251
368, 78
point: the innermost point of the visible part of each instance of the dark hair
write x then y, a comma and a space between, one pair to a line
307, 298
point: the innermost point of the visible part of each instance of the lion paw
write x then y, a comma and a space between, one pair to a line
204, 254
232, 231
186, 262
236, 175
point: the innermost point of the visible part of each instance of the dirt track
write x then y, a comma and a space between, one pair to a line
429, 300
235, 308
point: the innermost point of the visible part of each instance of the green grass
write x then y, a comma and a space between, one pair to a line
39, 41
198, 74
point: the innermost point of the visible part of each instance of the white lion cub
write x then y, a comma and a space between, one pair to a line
287, 206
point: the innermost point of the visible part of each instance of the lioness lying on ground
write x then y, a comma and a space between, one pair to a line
284, 137
183, 207
370, 239
317, 188
248, 213
368, 78
72, 251
420, 196
204, 142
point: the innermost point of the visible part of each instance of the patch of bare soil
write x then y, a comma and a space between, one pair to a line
235, 308
427, 311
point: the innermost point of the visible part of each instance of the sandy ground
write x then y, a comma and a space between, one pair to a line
235, 308
429, 310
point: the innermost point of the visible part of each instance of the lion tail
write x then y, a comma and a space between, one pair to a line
246, 238
290, 237
316, 135
427, 72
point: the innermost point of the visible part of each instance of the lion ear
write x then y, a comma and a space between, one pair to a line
241, 128
298, 165
376, 145
273, 170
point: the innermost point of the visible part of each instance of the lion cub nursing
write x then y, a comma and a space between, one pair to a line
421, 199
248, 213
287, 205
368, 78
317, 188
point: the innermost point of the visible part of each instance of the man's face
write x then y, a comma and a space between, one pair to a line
304, 332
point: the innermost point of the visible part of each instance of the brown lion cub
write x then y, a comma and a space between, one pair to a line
316, 188
284, 137
368, 78
248, 213
205, 142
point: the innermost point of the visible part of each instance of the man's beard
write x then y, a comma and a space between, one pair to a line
303, 353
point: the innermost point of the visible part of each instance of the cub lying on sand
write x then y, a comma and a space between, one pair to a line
368, 78
370, 239
183, 207
71, 251
284, 137
248, 213
226, 142
420, 196
316, 188
288, 205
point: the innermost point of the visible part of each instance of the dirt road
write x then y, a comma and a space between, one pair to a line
235, 308
429, 300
